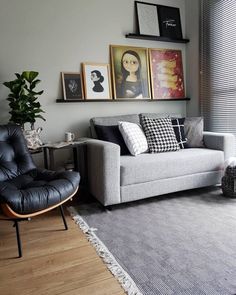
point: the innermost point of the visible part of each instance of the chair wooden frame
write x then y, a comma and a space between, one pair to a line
16, 217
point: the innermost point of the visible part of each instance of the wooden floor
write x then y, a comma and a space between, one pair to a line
54, 261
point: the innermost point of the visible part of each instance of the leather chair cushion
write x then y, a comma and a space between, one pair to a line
15, 158
38, 190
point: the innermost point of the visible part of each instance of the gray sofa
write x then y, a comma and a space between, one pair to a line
115, 179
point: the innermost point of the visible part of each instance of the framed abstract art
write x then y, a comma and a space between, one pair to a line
72, 86
167, 78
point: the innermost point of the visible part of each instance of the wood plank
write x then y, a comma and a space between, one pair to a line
54, 261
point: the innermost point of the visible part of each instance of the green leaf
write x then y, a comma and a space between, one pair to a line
29, 76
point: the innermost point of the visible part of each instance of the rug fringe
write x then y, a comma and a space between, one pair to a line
119, 273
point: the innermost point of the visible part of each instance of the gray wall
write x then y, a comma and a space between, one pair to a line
192, 56
51, 36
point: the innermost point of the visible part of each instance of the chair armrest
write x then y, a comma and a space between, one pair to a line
220, 141
103, 159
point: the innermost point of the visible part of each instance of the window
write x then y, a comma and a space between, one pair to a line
218, 65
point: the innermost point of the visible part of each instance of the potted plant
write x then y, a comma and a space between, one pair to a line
23, 101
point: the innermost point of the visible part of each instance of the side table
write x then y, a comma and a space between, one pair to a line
50, 148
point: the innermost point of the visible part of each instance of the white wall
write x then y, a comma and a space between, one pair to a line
51, 36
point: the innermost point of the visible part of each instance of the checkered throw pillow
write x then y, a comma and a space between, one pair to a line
178, 125
160, 134
134, 138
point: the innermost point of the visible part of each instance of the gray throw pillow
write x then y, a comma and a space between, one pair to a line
193, 128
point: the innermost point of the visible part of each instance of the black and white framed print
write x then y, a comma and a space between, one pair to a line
169, 22
147, 18
97, 81
72, 86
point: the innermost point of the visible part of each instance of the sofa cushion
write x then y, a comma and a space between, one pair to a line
134, 137
150, 167
160, 134
178, 125
193, 128
112, 134
112, 120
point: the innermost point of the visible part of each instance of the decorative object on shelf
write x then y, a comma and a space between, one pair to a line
130, 72
167, 77
169, 22
24, 105
97, 81
69, 136
33, 139
147, 18
72, 86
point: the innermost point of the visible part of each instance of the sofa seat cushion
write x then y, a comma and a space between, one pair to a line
150, 167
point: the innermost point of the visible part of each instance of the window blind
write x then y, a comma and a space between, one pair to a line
218, 65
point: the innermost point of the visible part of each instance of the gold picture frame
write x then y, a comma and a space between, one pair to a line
130, 72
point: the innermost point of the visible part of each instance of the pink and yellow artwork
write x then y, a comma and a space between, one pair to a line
166, 73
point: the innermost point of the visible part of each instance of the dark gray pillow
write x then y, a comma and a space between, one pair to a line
193, 128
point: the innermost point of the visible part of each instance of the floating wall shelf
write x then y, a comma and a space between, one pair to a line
155, 38
119, 100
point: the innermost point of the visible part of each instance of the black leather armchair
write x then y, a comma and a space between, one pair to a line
26, 191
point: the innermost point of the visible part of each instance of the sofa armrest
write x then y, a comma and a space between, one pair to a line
220, 141
103, 160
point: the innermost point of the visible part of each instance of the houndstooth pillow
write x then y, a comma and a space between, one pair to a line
160, 134
134, 138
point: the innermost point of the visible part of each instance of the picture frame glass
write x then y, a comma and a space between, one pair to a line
169, 22
72, 86
130, 72
147, 18
97, 81
167, 77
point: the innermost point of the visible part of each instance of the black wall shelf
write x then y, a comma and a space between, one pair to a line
119, 100
155, 38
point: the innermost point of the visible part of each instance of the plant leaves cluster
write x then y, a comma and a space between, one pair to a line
23, 98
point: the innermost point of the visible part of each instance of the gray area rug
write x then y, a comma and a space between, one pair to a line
182, 243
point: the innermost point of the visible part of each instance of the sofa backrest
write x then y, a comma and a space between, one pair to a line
161, 115
133, 118
112, 120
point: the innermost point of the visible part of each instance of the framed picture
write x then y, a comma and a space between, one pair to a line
97, 81
167, 78
72, 86
147, 18
169, 22
130, 72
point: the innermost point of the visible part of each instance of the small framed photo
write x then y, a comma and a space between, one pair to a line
72, 86
169, 22
147, 18
130, 72
97, 81
167, 78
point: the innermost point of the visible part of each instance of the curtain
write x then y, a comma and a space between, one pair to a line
218, 65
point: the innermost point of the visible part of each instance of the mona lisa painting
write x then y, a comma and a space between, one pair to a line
130, 72
167, 77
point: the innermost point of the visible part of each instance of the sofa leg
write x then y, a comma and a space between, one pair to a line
16, 225
63, 217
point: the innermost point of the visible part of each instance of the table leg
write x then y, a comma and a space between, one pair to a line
51, 159
45, 157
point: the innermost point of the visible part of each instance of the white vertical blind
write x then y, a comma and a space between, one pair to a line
218, 65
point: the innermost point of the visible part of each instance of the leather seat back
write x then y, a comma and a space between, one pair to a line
15, 158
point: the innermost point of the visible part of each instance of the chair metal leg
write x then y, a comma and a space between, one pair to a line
16, 225
63, 217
